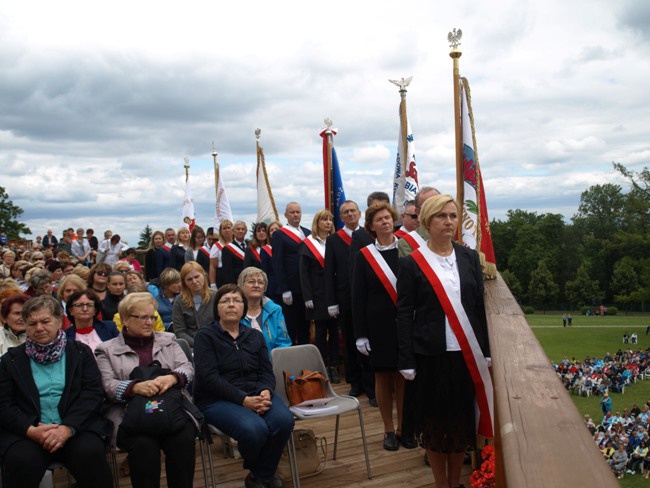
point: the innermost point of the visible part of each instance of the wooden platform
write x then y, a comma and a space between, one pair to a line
402, 468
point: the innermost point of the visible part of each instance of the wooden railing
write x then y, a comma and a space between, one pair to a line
540, 438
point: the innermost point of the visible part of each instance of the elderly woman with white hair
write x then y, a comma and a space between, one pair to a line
263, 313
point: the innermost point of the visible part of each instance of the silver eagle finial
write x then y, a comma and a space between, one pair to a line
403, 83
454, 38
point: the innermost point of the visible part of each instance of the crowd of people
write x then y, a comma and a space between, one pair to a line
623, 436
206, 307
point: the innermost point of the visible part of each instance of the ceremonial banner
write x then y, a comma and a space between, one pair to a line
475, 224
187, 216
266, 211
333, 182
222, 209
405, 180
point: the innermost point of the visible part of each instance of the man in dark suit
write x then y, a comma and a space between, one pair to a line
339, 304
286, 266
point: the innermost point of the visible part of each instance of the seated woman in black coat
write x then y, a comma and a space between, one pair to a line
50, 404
83, 308
234, 388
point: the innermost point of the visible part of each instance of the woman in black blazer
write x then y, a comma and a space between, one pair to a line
373, 312
198, 250
431, 343
312, 284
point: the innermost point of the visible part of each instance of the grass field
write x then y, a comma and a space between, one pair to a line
594, 336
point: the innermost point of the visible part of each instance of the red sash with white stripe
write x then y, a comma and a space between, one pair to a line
268, 249
236, 250
317, 249
205, 251
400, 233
255, 253
460, 324
345, 237
165, 247
381, 269
219, 245
414, 239
296, 238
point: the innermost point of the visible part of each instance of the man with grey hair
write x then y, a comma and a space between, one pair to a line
416, 238
80, 248
410, 220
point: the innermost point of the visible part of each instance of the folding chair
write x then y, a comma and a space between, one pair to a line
293, 360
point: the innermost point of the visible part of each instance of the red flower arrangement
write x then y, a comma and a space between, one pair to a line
484, 477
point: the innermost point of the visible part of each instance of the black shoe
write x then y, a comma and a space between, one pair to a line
390, 441
334, 375
356, 391
408, 442
373, 402
251, 482
276, 482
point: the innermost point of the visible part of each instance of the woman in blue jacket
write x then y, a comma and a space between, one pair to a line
263, 313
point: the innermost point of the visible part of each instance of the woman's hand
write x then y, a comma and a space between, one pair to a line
166, 382
36, 433
259, 404
146, 388
55, 438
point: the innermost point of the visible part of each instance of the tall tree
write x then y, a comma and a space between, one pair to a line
542, 289
9, 214
145, 237
625, 281
583, 290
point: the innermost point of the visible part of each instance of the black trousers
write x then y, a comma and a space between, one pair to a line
144, 457
84, 455
358, 371
294, 316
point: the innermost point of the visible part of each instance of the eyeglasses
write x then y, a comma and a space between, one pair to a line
83, 305
102, 273
38, 259
413, 216
255, 282
144, 318
226, 301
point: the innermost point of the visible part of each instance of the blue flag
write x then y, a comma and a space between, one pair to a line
338, 193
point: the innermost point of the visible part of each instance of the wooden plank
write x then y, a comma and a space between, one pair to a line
541, 438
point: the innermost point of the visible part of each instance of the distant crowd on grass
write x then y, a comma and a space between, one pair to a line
622, 437
596, 376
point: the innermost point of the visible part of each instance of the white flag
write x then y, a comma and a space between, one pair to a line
266, 211
222, 209
188, 218
405, 180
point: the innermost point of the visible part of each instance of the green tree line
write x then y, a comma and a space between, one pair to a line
600, 257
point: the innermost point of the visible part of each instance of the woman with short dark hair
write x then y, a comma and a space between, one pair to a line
83, 309
51, 399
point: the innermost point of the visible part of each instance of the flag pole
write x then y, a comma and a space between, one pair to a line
187, 169
216, 172
327, 169
454, 41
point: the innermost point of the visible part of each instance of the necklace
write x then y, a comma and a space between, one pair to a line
98, 291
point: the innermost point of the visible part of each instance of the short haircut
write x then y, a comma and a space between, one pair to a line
99, 267
377, 195
434, 205
40, 277
132, 300
11, 301
91, 295
249, 272
42, 302
225, 290
373, 210
71, 279
168, 276
425, 189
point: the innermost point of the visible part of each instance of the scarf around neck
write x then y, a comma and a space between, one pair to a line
46, 353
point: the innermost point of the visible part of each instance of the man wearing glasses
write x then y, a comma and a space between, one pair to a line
410, 220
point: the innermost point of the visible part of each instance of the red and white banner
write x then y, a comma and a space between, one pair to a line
381, 269
317, 249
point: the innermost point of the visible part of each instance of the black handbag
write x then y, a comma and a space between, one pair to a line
158, 414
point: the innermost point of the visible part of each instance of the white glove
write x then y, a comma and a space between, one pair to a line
489, 361
333, 310
287, 298
409, 374
363, 346
309, 304
213, 286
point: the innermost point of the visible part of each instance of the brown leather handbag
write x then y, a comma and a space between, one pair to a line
310, 385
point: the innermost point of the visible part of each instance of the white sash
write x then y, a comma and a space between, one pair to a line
381, 269
236, 250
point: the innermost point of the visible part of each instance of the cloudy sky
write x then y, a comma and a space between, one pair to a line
100, 103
